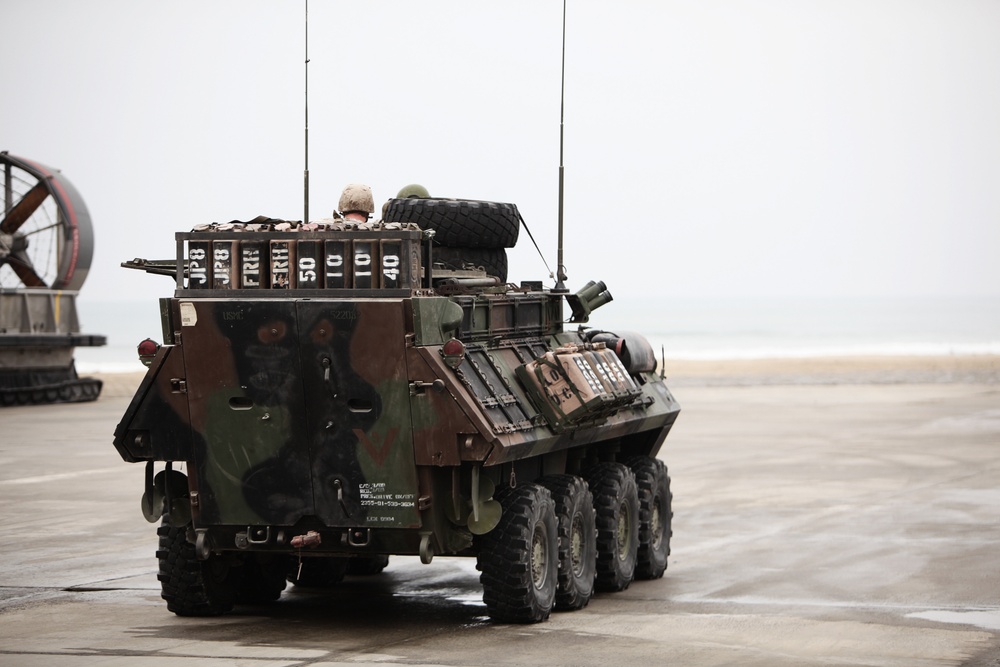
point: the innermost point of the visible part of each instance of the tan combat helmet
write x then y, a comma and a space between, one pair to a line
357, 198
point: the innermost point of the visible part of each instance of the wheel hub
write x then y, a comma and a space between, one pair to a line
624, 530
539, 558
576, 545
656, 527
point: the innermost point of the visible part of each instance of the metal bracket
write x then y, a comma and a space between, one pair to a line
201, 551
417, 387
426, 549
359, 537
258, 535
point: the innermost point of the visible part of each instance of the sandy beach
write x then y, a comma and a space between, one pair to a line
972, 369
975, 369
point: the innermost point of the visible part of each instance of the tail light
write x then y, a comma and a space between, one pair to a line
453, 353
147, 350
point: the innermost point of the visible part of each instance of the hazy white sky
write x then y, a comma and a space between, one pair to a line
835, 148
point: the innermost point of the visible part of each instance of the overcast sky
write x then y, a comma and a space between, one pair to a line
785, 148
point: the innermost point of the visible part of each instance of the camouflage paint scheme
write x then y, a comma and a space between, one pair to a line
334, 410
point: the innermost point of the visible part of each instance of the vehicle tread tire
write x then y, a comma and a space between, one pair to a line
317, 571
653, 482
573, 500
460, 223
263, 578
192, 587
615, 501
367, 566
507, 562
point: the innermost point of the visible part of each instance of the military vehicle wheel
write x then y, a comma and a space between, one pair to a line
493, 260
263, 578
366, 566
190, 586
460, 223
655, 516
519, 558
577, 540
616, 502
318, 571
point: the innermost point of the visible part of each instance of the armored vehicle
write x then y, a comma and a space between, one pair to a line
333, 393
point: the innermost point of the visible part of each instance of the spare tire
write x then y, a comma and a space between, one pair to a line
459, 223
493, 260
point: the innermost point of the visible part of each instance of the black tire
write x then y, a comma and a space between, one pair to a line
190, 586
577, 529
655, 516
519, 558
460, 223
617, 505
494, 260
366, 566
317, 571
263, 578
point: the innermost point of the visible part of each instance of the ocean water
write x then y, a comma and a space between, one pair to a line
125, 324
758, 328
763, 328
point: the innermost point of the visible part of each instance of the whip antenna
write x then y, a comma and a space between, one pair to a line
305, 214
560, 267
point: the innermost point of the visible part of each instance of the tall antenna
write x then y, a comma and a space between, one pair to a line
560, 267
305, 214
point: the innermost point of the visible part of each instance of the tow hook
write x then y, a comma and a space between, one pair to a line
253, 535
359, 537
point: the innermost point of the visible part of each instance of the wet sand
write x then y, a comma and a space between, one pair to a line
981, 369
975, 369
827, 512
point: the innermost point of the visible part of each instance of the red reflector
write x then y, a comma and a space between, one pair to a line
148, 348
453, 347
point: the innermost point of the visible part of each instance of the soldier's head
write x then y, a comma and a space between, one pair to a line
356, 202
413, 190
